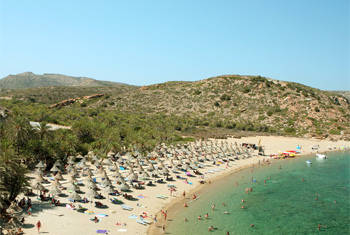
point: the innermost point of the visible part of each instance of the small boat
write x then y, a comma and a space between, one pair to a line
308, 162
321, 156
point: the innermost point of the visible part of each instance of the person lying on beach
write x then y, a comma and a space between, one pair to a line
122, 224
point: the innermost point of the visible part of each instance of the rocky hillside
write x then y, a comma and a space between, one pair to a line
243, 102
230, 102
30, 80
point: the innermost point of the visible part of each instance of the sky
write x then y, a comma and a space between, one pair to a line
141, 42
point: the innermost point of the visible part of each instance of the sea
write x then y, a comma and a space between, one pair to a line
299, 198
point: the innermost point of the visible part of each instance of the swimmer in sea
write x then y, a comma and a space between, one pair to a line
199, 217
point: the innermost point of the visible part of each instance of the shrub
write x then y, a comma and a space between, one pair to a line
225, 97
334, 132
197, 92
289, 130
217, 104
246, 90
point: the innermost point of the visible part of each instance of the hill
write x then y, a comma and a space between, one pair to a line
250, 103
225, 104
31, 80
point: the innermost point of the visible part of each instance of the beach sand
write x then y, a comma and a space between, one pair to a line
61, 220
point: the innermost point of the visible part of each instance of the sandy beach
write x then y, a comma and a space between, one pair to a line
61, 220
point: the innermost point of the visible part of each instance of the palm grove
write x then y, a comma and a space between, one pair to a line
22, 145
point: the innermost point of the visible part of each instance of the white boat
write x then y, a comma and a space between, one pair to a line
321, 156
308, 162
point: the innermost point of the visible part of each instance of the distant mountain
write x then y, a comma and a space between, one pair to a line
31, 80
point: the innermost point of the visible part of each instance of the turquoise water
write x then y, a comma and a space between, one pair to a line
285, 205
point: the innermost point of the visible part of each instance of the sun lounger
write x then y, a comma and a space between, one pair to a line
145, 221
141, 222
128, 208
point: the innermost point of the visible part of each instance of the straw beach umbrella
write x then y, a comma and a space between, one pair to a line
124, 187
56, 183
54, 190
38, 186
73, 187
74, 196
55, 168
91, 184
58, 176
40, 165
40, 178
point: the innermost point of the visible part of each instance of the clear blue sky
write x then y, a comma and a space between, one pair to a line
145, 42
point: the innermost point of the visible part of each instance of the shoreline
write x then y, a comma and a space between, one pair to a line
175, 205
66, 219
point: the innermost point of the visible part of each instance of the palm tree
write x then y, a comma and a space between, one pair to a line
44, 132
18, 131
12, 175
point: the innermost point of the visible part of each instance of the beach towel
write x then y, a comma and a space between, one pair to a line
88, 212
101, 215
141, 196
133, 217
122, 230
101, 231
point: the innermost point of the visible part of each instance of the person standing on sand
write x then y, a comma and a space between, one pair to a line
155, 220
38, 225
163, 228
30, 210
184, 194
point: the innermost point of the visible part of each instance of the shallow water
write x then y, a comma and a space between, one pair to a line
285, 205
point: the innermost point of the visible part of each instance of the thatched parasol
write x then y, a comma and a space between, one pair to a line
56, 183
74, 196
54, 190
124, 187
40, 165
55, 168
58, 176
73, 187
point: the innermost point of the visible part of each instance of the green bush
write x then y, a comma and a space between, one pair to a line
289, 130
246, 90
197, 92
225, 97
334, 132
